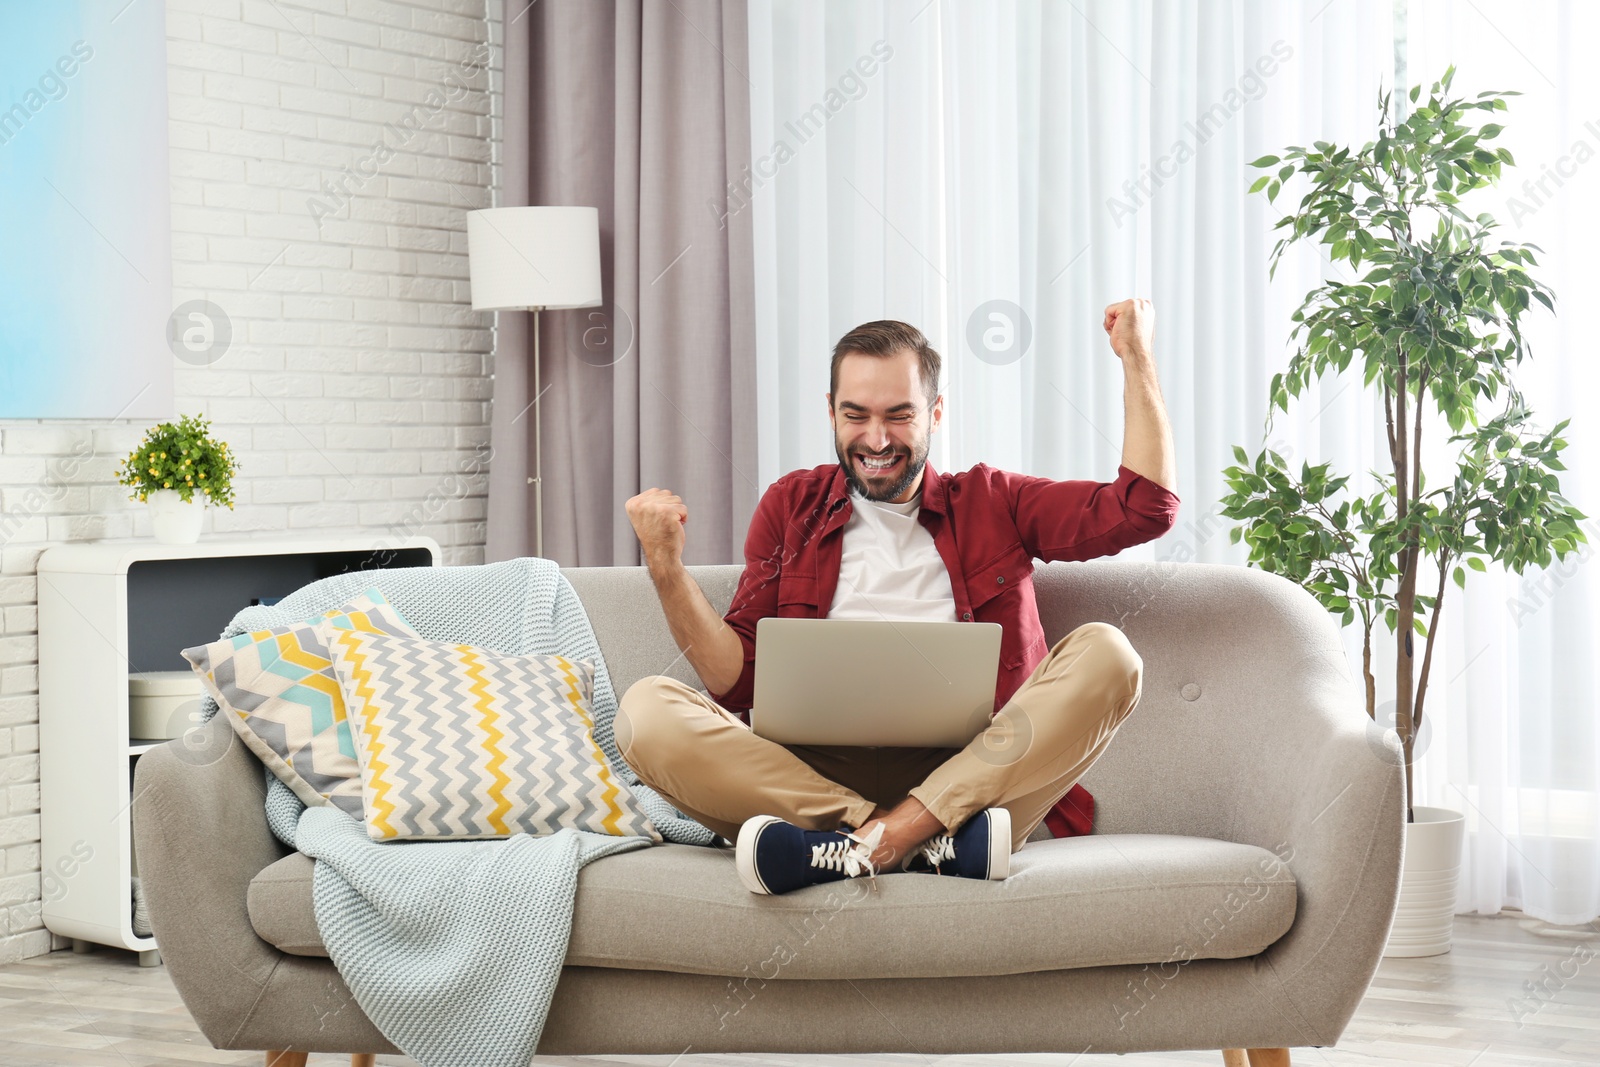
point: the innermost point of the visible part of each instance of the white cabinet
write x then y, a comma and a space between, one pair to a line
108, 609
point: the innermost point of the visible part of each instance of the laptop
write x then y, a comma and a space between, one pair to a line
877, 683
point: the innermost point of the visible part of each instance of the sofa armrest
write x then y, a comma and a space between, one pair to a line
1330, 802
200, 828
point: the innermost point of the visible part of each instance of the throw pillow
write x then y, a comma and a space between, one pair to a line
278, 691
459, 743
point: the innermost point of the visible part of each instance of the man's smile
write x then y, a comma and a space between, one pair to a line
878, 466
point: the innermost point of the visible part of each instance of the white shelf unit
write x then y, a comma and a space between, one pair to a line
107, 609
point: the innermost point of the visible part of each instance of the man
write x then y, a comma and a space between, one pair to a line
881, 534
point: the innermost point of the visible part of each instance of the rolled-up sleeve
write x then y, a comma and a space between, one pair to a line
757, 594
1083, 519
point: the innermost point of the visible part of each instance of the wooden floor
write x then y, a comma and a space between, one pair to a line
1514, 992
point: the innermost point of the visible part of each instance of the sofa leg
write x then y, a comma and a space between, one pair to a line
1256, 1057
363, 1059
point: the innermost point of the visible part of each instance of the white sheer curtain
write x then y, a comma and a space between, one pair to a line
921, 159
1516, 745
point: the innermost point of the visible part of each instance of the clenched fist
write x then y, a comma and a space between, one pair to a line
1131, 326
658, 517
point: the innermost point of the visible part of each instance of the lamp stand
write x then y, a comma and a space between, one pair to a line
537, 479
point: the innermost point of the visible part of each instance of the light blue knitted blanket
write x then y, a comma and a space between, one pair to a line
453, 949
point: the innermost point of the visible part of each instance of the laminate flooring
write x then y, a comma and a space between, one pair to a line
1513, 992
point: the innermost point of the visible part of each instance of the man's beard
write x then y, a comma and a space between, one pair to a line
879, 489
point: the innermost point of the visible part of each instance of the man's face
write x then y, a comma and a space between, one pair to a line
882, 423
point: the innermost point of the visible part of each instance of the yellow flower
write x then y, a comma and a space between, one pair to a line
154, 471
166, 485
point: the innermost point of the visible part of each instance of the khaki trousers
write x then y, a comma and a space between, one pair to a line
712, 767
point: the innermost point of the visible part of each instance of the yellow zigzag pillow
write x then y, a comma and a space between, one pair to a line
457, 742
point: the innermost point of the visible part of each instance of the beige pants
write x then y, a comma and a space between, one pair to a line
713, 768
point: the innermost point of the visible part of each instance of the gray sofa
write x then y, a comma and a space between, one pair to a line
1236, 893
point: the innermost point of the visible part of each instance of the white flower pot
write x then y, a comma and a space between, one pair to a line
1428, 877
174, 521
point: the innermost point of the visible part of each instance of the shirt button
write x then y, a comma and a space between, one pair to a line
967, 616
1001, 580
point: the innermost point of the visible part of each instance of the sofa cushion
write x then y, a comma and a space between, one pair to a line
277, 689
457, 742
1070, 902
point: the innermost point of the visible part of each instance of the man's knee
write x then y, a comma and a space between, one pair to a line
641, 712
1113, 653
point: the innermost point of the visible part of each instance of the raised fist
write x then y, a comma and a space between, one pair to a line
1131, 326
658, 518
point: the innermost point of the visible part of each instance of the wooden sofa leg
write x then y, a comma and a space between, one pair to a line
363, 1059
1256, 1057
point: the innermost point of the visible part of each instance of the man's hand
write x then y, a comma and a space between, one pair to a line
658, 518
1131, 326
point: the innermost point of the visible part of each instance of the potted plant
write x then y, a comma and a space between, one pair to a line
174, 471
1435, 325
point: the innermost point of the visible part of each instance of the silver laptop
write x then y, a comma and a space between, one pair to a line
848, 682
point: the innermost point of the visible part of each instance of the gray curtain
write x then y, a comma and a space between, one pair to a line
641, 109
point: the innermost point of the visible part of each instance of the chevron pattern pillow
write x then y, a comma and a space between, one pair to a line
456, 742
278, 691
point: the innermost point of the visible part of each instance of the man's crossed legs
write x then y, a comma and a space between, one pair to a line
713, 768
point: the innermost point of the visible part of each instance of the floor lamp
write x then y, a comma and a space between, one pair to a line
534, 259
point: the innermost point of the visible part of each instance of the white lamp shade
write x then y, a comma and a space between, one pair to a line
534, 257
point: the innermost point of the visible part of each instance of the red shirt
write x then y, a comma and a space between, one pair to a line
988, 525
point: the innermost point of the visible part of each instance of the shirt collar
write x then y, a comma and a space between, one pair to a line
933, 489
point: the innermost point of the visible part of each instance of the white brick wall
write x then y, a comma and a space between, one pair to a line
355, 390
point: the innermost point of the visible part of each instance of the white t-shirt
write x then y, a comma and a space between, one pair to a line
891, 568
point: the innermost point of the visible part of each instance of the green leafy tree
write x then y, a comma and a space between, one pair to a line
184, 457
1435, 323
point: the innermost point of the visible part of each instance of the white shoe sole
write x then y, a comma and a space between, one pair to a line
744, 852
999, 844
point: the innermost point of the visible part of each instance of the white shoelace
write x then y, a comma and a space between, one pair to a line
939, 848
853, 857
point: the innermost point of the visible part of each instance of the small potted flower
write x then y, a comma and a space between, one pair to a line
177, 467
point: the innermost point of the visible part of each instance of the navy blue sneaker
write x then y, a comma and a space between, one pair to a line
981, 848
774, 856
